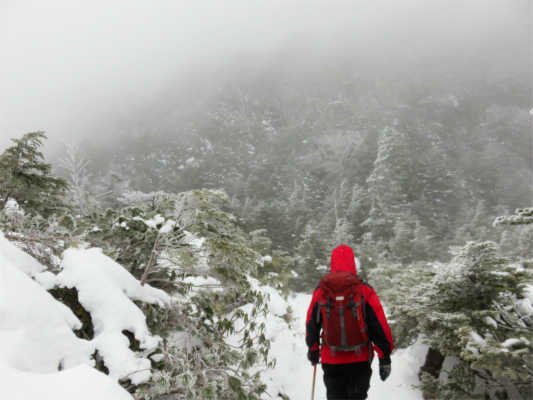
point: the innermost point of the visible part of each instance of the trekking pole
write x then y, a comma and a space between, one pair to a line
314, 378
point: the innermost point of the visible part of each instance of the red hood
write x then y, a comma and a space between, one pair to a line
342, 259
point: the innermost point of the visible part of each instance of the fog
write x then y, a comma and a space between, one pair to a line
67, 66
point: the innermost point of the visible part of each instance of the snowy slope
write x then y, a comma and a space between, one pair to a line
36, 340
41, 357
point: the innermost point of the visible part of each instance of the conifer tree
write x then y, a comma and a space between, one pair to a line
385, 184
26, 178
455, 307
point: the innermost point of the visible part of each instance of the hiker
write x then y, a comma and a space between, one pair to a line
348, 315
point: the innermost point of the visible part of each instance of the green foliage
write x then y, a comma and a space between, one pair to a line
186, 244
466, 309
275, 269
460, 385
214, 343
45, 239
312, 259
27, 179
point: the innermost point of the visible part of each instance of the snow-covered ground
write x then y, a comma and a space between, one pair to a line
294, 374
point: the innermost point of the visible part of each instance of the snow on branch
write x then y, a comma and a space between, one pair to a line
524, 216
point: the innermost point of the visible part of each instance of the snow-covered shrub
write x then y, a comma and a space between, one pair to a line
45, 239
458, 308
206, 338
187, 245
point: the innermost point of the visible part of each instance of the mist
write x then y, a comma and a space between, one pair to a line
69, 68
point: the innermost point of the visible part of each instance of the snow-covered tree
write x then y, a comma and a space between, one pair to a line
453, 307
76, 167
523, 216
391, 169
312, 256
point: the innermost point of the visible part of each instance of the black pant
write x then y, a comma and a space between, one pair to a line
347, 381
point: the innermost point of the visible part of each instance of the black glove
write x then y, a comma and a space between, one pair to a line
384, 368
313, 356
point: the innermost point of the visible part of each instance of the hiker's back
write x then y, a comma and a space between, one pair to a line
342, 312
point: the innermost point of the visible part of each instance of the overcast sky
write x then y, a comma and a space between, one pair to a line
65, 64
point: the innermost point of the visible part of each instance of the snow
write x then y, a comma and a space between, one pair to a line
41, 358
511, 342
478, 339
79, 383
17, 257
12, 208
265, 259
293, 374
277, 306
106, 290
490, 321
528, 292
168, 226
157, 357
35, 329
36, 340
153, 222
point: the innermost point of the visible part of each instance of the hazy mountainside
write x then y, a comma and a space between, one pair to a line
403, 154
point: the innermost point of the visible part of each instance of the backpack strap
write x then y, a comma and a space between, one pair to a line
352, 304
328, 306
357, 349
343, 326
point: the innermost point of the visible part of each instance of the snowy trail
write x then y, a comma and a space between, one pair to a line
295, 374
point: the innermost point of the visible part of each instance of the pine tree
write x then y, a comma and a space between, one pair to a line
474, 309
76, 167
453, 307
312, 254
386, 194
26, 178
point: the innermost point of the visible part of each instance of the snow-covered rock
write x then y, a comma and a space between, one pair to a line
106, 290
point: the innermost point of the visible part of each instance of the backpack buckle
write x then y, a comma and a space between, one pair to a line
352, 305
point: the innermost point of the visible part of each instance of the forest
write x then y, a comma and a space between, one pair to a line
403, 160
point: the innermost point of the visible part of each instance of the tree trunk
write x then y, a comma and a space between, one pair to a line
433, 363
432, 366
151, 262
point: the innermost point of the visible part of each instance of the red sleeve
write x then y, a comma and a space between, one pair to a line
378, 327
312, 326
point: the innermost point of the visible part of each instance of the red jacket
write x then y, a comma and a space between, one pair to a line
342, 259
